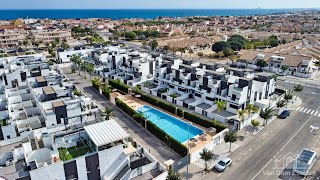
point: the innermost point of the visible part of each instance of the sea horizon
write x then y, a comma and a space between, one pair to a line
115, 14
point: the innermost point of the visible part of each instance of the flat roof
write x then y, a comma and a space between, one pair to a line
48, 90
58, 104
105, 132
40, 79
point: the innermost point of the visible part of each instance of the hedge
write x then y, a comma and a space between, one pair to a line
118, 85
127, 109
180, 112
164, 137
95, 86
156, 102
140, 119
203, 122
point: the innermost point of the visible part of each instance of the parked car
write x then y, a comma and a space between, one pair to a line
223, 164
284, 114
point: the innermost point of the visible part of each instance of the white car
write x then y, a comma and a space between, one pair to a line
223, 164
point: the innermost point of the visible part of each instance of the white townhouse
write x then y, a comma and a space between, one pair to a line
35, 96
197, 86
99, 151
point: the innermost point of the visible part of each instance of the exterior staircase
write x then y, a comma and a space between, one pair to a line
123, 171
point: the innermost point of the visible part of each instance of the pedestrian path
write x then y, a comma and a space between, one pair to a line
308, 111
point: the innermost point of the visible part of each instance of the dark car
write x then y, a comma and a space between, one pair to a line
284, 114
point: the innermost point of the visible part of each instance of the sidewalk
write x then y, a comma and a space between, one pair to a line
196, 169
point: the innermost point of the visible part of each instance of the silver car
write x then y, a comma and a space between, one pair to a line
223, 164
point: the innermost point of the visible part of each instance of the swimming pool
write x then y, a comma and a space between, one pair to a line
171, 125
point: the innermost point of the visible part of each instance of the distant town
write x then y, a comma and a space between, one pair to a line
221, 97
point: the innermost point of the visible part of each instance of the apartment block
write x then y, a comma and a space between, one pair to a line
50, 35
11, 38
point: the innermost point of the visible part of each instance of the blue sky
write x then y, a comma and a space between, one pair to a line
156, 4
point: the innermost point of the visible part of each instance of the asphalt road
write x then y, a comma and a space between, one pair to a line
270, 153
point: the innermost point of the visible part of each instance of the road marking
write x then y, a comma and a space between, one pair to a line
301, 109
298, 108
283, 146
308, 111
316, 113
245, 153
319, 115
250, 149
312, 111
239, 158
263, 137
305, 110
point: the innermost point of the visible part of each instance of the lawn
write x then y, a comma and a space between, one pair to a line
73, 152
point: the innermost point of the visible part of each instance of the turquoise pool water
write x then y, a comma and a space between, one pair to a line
171, 125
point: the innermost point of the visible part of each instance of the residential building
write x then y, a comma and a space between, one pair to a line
50, 35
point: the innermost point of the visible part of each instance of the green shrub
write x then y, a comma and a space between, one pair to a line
140, 119
77, 92
118, 85
180, 112
106, 91
124, 107
203, 122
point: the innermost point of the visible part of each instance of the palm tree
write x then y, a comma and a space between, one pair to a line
266, 114
107, 113
173, 175
90, 69
280, 103
84, 67
251, 108
76, 59
255, 123
288, 95
241, 114
298, 88
206, 155
190, 51
231, 137
25, 43
221, 105
200, 54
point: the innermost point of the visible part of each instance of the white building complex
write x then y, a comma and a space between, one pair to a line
193, 85
54, 133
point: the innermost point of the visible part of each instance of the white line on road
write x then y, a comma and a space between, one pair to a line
301, 109
250, 149
245, 153
298, 108
263, 137
319, 115
283, 146
308, 111
305, 110
316, 113
239, 158
312, 111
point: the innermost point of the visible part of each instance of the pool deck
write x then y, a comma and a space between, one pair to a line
136, 103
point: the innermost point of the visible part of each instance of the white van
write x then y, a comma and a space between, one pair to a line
304, 162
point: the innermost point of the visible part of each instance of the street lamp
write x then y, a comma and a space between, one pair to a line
188, 150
